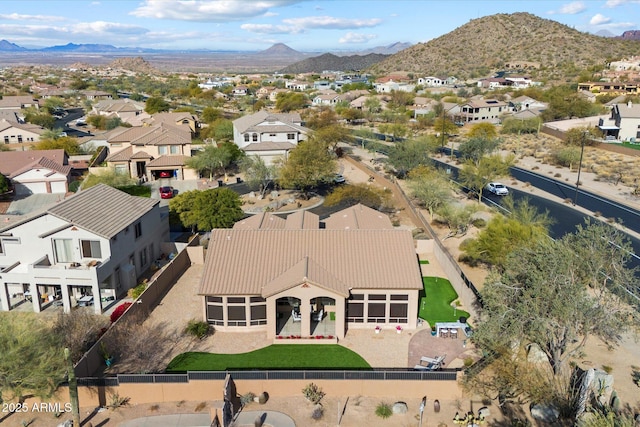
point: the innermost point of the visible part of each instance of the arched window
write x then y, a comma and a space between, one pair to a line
255, 137
246, 137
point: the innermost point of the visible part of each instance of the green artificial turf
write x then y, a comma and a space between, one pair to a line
436, 305
277, 356
136, 190
424, 261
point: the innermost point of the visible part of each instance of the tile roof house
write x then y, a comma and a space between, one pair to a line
308, 278
86, 245
37, 171
152, 152
269, 135
127, 110
18, 102
12, 131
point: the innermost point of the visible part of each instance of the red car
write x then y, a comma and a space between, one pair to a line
166, 192
165, 174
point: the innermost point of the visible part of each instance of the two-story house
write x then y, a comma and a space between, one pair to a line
152, 152
623, 124
87, 249
482, 110
269, 135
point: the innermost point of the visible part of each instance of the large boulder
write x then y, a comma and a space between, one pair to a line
399, 408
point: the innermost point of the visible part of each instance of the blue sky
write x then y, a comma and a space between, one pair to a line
304, 25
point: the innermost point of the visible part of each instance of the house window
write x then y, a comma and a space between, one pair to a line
355, 312
143, 257
291, 136
246, 137
376, 312
90, 249
121, 169
215, 314
138, 229
236, 315
255, 137
6, 139
398, 313
162, 149
175, 149
63, 250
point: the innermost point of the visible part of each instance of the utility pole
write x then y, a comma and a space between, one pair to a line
583, 140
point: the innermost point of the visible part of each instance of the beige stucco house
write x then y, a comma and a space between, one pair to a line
152, 152
304, 277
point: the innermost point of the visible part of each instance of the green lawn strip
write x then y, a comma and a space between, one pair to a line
136, 190
277, 356
436, 305
424, 261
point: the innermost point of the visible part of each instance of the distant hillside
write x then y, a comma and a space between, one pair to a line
631, 35
6, 46
72, 47
137, 64
329, 61
487, 44
280, 49
386, 50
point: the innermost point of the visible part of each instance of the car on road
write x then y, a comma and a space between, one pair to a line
497, 188
166, 192
339, 179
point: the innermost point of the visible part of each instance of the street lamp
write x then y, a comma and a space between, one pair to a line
582, 141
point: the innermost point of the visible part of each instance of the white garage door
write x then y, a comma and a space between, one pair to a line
31, 188
58, 187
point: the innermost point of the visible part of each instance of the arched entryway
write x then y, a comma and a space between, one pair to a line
323, 316
289, 316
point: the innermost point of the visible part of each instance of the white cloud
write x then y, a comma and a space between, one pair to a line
616, 3
356, 38
207, 11
89, 32
572, 8
330, 22
271, 29
599, 19
18, 17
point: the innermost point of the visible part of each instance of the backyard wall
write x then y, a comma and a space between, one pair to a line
212, 390
92, 360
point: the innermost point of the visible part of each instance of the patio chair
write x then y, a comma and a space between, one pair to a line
444, 333
428, 367
453, 333
318, 316
296, 316
433, 360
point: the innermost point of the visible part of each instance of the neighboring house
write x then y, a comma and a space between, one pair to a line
13, 132
432, 81
623, 124
86, 245
354, 271
360, 103
625, 65
36, 171
264, 91
322, 85
273, 96
519, 81
484, 110
96, 94
615, 88
269, 135
526, 103
127, 110
494, 83
18, 102
391, 85
178, 118
240, 91
326, 99
152, 152
296, 85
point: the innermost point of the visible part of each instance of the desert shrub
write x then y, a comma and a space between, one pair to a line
359, 193
383, 410
137, 291
607, 368
119, 311
197, 328
313, 393
247, 398
116, 401
200, 406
